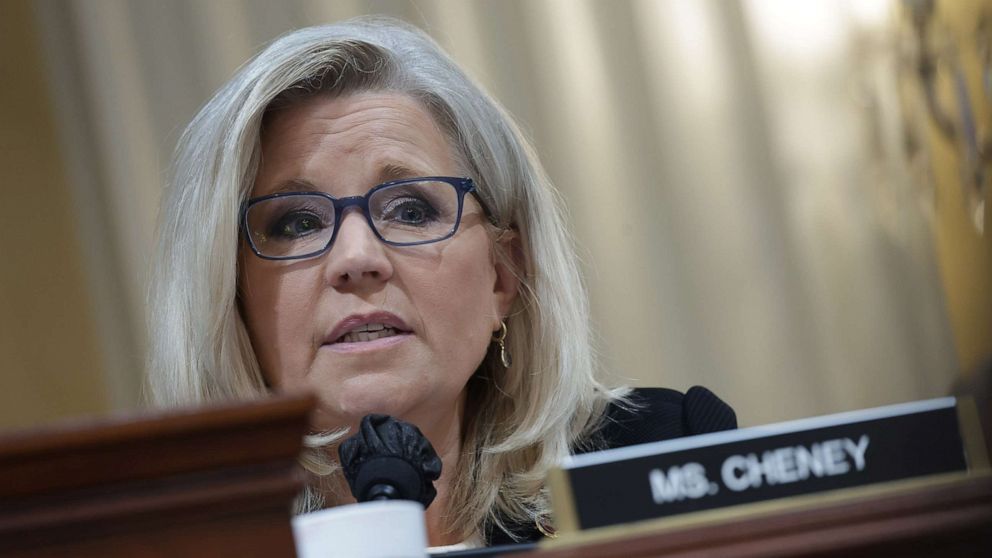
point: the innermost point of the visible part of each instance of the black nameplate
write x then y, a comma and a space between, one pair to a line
762, 463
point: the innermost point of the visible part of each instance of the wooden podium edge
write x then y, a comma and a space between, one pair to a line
972, 437
127, 426
760, 510
215, 481
566, 520
115, 450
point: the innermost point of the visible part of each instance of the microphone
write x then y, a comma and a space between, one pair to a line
388, 459
703, 412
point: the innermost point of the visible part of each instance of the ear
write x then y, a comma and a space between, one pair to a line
508, 261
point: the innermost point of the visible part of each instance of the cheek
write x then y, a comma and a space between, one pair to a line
275, 309
457, 306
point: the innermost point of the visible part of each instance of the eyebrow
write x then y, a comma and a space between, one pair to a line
388, 173
293, 185
396, 171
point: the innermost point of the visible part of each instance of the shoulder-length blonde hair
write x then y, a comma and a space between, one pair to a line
524, 418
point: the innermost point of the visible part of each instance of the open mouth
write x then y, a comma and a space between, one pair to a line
368, 332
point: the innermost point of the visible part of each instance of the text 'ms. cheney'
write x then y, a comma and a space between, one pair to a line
749, 471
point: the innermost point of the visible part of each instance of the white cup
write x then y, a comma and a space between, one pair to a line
386, 529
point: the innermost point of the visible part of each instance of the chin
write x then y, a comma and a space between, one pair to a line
346, 407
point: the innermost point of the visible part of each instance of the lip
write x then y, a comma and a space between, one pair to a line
351, 322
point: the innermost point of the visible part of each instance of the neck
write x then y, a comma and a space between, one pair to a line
448, 446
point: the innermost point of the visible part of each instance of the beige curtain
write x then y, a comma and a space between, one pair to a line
732, 169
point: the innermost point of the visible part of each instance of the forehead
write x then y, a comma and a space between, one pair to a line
358, 137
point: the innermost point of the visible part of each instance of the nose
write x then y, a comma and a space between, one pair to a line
357, 257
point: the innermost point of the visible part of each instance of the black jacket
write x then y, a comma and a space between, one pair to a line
654, 414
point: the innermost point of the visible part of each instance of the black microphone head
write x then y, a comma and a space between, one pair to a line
704, 412
390, 459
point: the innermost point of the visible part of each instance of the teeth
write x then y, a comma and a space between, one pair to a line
369, 327
360, 334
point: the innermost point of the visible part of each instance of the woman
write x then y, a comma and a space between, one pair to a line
352, 216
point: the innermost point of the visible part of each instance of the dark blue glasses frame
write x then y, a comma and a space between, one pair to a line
462, 186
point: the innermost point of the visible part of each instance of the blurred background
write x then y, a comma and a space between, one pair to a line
787, 202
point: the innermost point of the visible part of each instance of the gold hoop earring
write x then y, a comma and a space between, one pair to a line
498, 338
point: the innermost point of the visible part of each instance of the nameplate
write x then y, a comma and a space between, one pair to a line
761, 463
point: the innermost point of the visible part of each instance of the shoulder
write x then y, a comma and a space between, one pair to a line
655, 414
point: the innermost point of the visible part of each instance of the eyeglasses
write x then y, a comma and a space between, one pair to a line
408, 212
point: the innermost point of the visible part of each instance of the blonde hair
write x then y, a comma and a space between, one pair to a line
525, 418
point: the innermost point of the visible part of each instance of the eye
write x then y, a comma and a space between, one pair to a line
408, 211
296, 224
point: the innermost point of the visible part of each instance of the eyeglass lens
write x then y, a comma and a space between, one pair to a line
302, 224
